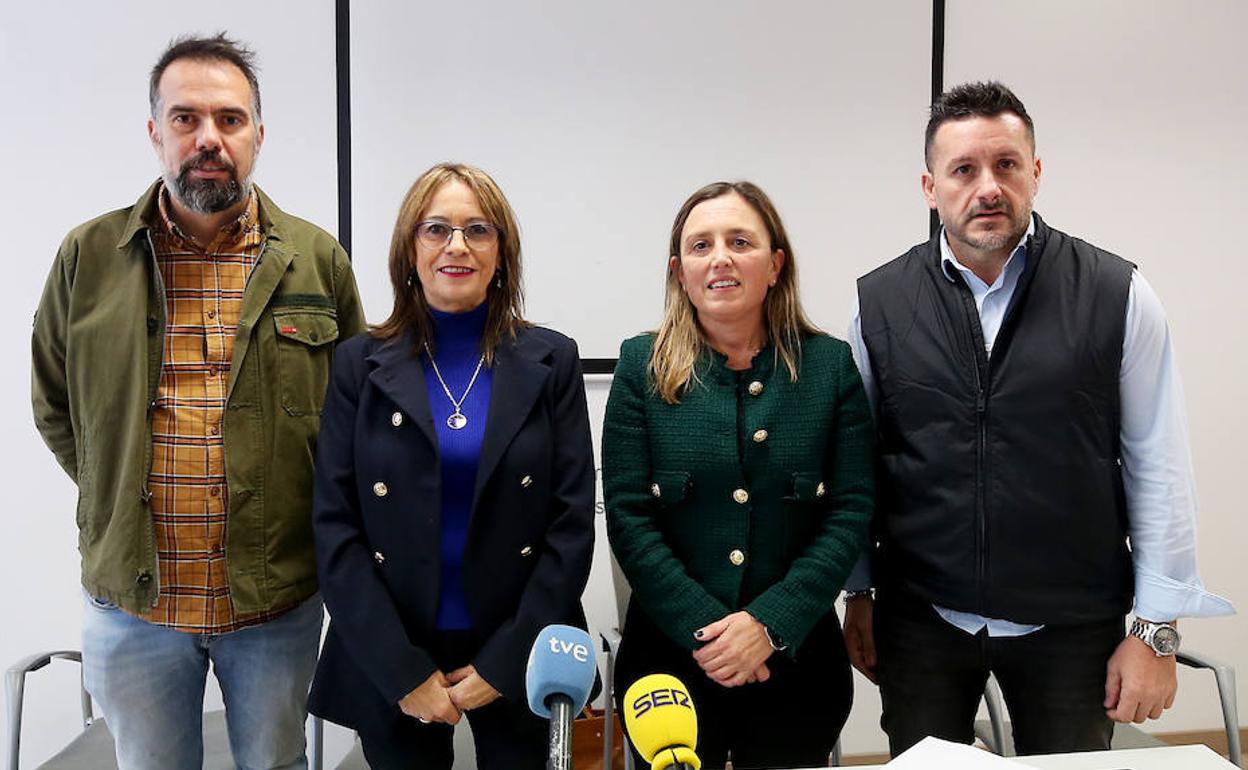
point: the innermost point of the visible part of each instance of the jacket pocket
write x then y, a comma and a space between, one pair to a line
802, 510
806, 488
670, 488
304, 347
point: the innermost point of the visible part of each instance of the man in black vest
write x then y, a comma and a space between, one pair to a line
1030, 423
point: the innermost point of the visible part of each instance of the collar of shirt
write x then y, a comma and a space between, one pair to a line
231, 231
990, 301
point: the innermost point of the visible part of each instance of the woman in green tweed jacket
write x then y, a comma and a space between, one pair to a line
737, 472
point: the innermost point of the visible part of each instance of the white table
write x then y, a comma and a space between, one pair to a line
1161, 758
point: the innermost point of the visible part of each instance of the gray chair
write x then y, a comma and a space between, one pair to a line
92, 749
611, 646
995, 735
354, 760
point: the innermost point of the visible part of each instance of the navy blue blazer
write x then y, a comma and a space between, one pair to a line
377, 510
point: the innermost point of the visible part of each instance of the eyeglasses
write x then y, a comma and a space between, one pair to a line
435, 235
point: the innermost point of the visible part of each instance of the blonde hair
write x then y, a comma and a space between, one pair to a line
679, 341
505, 295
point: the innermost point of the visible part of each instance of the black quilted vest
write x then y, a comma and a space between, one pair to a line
1000, 481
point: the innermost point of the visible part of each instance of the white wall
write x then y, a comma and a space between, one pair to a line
597, 122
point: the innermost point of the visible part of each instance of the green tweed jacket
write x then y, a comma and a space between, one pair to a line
754, 492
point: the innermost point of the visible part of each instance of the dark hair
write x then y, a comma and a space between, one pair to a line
505, 295
215, 48
986, 99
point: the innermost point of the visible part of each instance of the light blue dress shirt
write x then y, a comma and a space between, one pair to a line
1156, 458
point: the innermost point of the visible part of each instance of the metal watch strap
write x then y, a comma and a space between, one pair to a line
1146, 631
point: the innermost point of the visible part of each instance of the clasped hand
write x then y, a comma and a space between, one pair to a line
735, 650
444, 697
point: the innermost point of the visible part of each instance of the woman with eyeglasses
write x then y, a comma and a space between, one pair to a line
453, 507
737, 472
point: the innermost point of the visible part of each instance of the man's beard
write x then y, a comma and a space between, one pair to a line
207, 196
996, 239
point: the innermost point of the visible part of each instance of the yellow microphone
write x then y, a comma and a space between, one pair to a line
662, 722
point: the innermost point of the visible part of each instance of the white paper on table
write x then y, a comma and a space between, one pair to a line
935, 754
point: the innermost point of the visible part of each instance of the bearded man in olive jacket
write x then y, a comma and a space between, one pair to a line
180, 356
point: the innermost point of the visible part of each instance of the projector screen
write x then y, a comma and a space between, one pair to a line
598, 121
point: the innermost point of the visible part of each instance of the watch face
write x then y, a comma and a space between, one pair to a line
1166, 640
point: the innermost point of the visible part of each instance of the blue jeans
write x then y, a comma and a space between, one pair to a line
149, 682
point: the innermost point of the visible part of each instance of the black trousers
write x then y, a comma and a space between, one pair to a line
932, 676
791, 720
506, 735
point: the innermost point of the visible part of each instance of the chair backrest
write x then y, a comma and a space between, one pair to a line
605, 598
623, 591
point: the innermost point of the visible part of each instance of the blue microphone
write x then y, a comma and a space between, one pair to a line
558, 679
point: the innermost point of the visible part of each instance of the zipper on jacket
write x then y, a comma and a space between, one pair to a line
981, 443
981, 469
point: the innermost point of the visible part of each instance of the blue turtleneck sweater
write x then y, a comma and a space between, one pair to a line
457, 350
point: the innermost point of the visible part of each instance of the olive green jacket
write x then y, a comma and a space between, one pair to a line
98, 348
754, 492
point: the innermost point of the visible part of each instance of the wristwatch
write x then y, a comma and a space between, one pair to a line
1163, 638
777, 644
